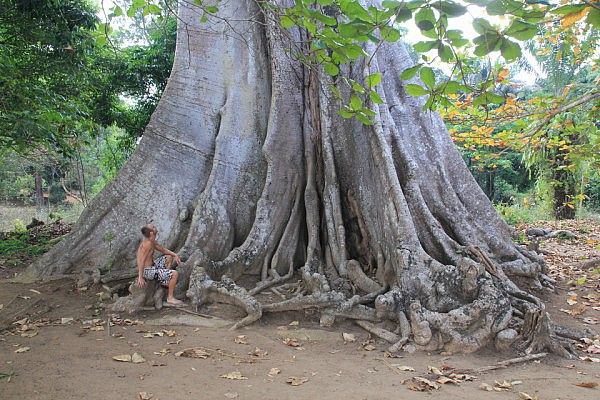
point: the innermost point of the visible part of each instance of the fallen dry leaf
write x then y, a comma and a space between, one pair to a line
162, 352
1, 306
241, 339
22, 349
590, 359
525, 396
420, 384
589, 385
29, 334
258, 352
122, 358
297, 381
145, 396
578, 309
462, 377
348, 337
155, 363
369, 347
593, 349
486, 387
235, 375
231, 395
193, 352
294, 323
403, 367
35, 291
444, 379
503, 385
273, 372
137, 358
153, 334
292, 342
169, 333
67, 320
434, 370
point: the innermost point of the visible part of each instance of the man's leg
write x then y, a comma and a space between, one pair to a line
171, 288
168, 262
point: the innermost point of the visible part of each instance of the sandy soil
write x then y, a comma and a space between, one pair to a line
72, 359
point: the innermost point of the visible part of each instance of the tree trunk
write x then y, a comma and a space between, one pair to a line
247, 168
39, 190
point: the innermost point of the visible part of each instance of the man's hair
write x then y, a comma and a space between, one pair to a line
146, 231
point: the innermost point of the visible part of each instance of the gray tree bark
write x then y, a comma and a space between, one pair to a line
246, 168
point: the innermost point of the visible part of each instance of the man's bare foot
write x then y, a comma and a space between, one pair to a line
173, 302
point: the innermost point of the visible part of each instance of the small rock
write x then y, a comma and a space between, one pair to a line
409, 348
535, 232
562, 234
505, 338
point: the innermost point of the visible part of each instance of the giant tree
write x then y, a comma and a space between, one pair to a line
248, 168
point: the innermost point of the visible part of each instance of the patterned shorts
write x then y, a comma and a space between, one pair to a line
159, 271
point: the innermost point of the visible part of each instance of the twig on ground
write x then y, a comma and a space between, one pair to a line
512, 361
193, 312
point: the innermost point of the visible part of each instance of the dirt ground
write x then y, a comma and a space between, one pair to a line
62, 348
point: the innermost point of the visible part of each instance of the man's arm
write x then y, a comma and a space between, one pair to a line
141, 256
167, 252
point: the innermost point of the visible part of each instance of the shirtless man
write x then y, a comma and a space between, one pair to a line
159, 269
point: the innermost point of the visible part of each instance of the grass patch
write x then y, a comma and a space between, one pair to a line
520, 214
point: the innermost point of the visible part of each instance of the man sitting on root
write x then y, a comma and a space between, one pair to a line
159, 269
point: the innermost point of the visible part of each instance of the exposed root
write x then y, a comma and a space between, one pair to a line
140, 298
274, 280
360, 279
379, 332
205, 290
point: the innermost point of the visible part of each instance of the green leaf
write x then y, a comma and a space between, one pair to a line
409, 73
357, 87
355, 102
286, 22
203, 18
415, 90
374, 79
364, 119
331, 69
452, 87
485, 44
521, 30
445, 52
569, 9
403, 14
425, 19
348, 30
353, 51
389, 34
593, 18
428, 77
325, 2
488, 98
135, 6
510, 50
449, 8
152, 9
375, 98
481, 26
346, 113
353, 10
118, 11
326, 19
423, 47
